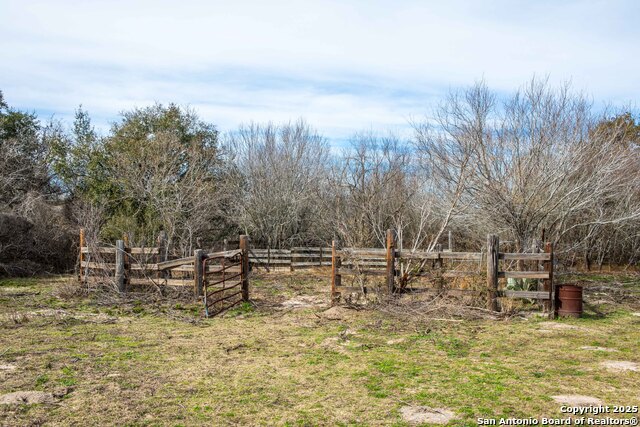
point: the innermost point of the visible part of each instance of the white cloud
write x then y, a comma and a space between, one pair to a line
342, 65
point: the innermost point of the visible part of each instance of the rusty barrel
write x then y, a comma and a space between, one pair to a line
569, 301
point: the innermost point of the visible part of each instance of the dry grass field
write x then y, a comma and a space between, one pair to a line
289, 360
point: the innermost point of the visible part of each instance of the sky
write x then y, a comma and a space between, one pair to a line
344, 66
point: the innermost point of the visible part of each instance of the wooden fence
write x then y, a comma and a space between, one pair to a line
125, 266
290, 259
399, 267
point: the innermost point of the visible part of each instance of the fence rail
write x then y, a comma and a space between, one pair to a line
294, 258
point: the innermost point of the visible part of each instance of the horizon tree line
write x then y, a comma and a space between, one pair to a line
540, 161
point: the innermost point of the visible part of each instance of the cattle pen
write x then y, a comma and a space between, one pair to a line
221, 278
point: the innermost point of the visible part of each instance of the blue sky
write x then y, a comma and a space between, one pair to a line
345, 66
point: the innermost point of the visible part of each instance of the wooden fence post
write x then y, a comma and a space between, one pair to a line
550, 305
291, 258
198, 272
244, 247
269, 256
335, 271
391, 259
161, 256
127, 259
450, 241
438, 266
493, 249
320, 261
120, 254
82, 245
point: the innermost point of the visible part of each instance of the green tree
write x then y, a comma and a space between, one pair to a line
24, 153
78, 160
161, 170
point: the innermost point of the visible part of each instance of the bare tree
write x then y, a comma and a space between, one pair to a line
374, 189
444, 150
535, 161
283, 179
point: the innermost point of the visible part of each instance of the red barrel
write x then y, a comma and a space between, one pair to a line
569, 301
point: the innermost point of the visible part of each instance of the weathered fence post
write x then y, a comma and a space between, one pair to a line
161, 256
198, 272
335, 271
550, 304
438, 266
244, 247
269, 256
450, 241
320, 261
291, 258
82, 244
391, 259
127, 259
493, 250
120, 254
269, 253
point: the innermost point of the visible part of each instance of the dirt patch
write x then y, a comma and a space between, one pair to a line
423, 414
577, 400
396, 341
592, 348
559, 326
620, 366
7, 367
27, 398
304, 301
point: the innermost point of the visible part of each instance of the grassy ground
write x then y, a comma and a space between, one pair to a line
160, 363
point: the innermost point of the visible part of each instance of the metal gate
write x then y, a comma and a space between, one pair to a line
225, 281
